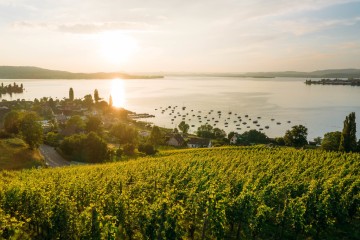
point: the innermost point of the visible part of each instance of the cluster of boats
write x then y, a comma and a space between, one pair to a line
214, 118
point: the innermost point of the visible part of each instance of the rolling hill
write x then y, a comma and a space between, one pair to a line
22, 72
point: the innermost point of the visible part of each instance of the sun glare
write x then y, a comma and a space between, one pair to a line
118, 92
117, 47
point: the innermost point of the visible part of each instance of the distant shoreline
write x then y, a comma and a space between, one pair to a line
349, 82
10, 72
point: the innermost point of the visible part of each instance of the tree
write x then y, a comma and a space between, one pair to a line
155, 136
147, 149
297, 136
12, 122
231, 134
331, 141
218, 133
75, 124
129, 149
93, 124
31, 130
88, 100
85, 148
254, 136
96, 96
110, 101
348, 135
205, 131
71, 94
318, 141
95, 148
124, 133
184, 127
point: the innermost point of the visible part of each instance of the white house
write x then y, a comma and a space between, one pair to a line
176, 140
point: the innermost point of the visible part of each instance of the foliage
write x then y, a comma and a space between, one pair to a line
220, 193
12, 122
147, 149
124, 133
184, 127
207, 131
52, 139
31, 130
318, 140
129, 149
93, 124
88, 101
71, 94
348, 135
156, 137
85, 148
253, 136
331, 141
75, 123
96, 96
296, 137
280, 141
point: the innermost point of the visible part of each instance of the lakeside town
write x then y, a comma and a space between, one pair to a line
336, 81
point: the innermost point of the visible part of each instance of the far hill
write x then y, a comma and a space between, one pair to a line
22, 72
329, 73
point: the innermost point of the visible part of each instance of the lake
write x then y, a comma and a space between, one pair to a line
321, 108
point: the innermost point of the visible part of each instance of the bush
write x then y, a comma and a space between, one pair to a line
147, 149
129, 149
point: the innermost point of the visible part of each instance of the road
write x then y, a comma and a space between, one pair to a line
52, 158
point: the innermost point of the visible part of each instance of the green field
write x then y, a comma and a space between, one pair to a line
15, 155
219, 193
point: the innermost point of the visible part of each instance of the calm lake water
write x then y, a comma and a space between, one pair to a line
320, 108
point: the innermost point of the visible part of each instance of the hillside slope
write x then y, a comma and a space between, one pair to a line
224, 193
15, 155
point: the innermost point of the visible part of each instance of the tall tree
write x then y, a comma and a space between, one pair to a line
184, 127
348, 135
31, 130
110, 101
71, 94
96, 96
156, 136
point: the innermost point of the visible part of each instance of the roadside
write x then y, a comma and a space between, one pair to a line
52, 158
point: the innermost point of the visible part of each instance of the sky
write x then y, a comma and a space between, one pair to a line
180, 35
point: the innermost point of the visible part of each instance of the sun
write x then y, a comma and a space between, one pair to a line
117, 47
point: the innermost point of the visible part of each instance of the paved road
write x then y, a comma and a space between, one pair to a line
52, 158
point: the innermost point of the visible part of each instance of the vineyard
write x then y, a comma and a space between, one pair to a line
219, 193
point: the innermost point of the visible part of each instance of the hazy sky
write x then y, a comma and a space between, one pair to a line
180, 35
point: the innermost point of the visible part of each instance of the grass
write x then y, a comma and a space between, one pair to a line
15, 155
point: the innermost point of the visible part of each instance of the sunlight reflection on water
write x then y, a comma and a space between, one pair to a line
118, 92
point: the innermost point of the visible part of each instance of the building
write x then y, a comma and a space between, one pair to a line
176, 140
199, 143
234, 140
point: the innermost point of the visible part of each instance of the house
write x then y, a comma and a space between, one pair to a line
144, 133
235, 139
176, 140
61, 118
46, 125
199, 143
